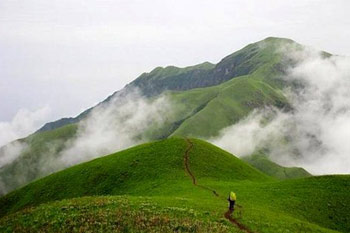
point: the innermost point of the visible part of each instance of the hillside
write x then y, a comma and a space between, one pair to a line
147, 188
136, 170
226, 103
261, 162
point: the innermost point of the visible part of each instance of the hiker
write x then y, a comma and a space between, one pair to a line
232, 199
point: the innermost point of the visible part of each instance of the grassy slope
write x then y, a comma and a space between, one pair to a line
232, 101
132, 171
265, 165
323, 200
160, 194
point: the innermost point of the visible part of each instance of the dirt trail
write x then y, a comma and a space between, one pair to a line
227, 214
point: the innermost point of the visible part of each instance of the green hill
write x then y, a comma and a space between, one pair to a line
154, 166
148, 189
261, 162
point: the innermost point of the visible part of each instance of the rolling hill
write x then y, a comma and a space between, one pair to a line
149, 188
139, 169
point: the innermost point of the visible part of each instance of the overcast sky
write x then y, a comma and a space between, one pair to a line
59, 57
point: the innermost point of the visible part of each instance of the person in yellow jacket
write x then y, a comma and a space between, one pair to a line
232, 199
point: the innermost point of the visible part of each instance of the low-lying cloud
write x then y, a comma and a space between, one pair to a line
22, 124
316, 133
11, 151
121, 123
125, 120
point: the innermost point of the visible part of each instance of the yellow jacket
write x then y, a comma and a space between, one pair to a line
232, 196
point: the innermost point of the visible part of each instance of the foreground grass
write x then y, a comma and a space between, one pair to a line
111, 214
146, 214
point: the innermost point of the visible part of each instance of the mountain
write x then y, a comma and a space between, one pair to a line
252, 59
175, 185
205, 99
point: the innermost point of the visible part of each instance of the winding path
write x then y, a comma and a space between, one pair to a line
227, 214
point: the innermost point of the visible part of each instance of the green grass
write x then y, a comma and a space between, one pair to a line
112, 214
151, 192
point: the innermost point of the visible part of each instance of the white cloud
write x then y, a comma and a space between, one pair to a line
252, 133
10, 152
23, 123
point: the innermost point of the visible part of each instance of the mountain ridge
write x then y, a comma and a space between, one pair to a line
225, 69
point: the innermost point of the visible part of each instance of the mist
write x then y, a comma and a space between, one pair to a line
10, 152
121, 123
22, 124
315, 134
127, 119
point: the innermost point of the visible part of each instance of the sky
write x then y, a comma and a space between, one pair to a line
59, 57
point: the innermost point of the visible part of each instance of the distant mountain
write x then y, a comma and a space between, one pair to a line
246, 61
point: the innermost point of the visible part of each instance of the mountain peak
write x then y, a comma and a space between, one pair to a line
277, 39
170, 69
